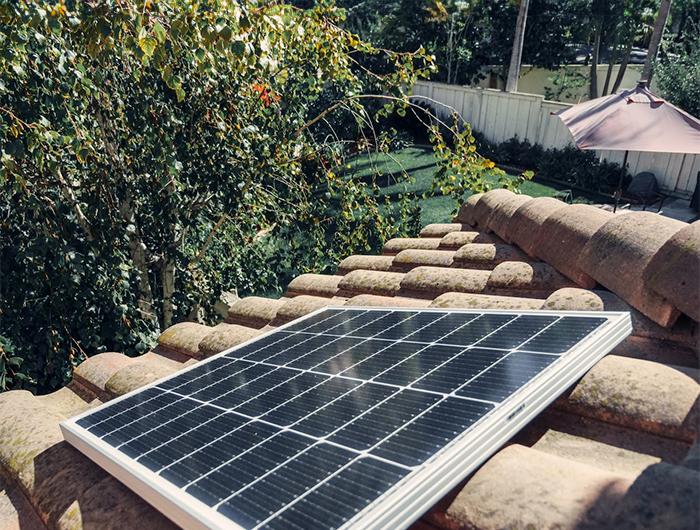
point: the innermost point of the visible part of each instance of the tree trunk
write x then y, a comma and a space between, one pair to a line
517, 53
138, 253
623, 67
656, 35
168, 286
593, 88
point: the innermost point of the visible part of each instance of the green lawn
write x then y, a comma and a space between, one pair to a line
420, 164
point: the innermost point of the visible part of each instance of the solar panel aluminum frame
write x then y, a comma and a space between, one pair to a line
421, 489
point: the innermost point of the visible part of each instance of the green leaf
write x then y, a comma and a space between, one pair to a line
160, 32
148, 45
238, 48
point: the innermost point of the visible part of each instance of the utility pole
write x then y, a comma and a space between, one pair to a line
659, 25
517, 54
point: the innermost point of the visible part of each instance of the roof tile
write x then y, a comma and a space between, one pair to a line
370, 282
663, 496
502, 212
225, 336
95, 371
486, 255
525, 488
183, 339
527, 279
563, 236
525, 224
373, 300
442, 229
639, 394
314, 284
253, 311
396, 245
299, 306
15, 511
370, 263
617, 254
136, 375
674, 271
466, 211
487, 204
455, 240
573, 299
411, 258
485, 301
429, 282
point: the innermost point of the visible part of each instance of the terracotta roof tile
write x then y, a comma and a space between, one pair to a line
394, 246
225, 336
370, 282
370, 263
442, 229
617, 254
528, 279
466, 212
299, 306
563, 236
573, 299
411, 258
183, 339
67, 401
429, 282
386, 301
486, 255
485, 301
314, 285
455, 240
595, 453
136, 375
16, 513
253, 311
639, 394
674, 271
502, 212
525, 488
95, 371
526, 223
487, 204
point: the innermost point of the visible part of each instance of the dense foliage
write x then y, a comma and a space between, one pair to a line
568, 165
469, 36
678, 72
155, 153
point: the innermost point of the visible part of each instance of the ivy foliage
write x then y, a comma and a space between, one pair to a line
156, 152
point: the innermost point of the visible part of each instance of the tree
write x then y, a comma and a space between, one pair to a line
516, 55
150, 152
659, 25
678, 72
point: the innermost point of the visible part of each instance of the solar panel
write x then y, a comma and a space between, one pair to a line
349, 417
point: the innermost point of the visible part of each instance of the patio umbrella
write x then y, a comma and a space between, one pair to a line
632, 120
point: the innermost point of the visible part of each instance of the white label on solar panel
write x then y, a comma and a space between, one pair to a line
348, 417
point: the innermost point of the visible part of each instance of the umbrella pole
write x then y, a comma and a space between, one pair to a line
618, 193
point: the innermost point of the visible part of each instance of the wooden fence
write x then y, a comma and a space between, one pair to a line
502, 115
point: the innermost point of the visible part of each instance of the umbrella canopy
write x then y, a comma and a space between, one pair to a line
632, 120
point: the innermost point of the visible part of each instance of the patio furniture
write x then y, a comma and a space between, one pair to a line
644, 190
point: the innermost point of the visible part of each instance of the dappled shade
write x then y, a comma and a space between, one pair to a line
632, 120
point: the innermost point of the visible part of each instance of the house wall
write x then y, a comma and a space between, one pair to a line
502, 115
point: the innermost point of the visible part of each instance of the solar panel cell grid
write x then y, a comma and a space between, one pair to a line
309, 425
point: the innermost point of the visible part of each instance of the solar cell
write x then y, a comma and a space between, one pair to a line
342, 417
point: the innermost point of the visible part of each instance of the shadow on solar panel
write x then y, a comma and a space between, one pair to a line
349, 417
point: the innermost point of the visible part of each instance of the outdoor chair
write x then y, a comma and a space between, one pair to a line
644, 190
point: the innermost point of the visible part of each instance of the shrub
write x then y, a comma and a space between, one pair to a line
155, 153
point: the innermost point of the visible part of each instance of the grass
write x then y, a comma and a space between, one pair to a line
420, 164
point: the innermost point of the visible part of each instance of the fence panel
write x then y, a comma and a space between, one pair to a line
501, 115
